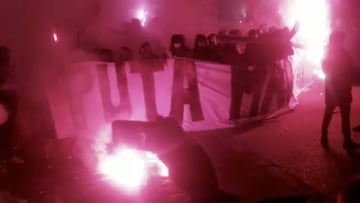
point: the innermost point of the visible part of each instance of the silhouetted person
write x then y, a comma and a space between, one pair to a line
285, 49
273, 55
201, 51
338, 84
213, 49
178, 47
278, 48
146, 52
211, 40
257, 69
234, 55
149, 63
253, 34
148, 56
235, 33
126, 53
351, 192
8, 104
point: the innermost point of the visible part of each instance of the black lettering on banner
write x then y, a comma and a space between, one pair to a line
124, 108
146, 68
185, 69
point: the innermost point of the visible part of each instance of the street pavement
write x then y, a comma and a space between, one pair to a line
278, 157
283, 156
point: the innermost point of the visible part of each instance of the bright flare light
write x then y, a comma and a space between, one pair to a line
126, 169
55, 37
162, 170
141, 15
314, 19
130, 169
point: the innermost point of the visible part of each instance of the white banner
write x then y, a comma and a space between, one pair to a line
197, 94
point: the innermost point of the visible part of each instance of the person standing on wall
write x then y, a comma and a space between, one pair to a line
338, 71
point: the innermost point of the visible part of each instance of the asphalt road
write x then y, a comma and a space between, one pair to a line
275, 158
283, 156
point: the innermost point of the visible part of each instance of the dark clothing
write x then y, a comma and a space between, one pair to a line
7, 130
345, 119
239, 79
190, 168
213, 54
258, 85
189, 165
338, 84
255, 56
182, 51
202, 53
4, 64
239, 67
236, 100
3, 74
275, 88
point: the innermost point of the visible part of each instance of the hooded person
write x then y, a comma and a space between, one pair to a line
338, 70
201, 51
178, 47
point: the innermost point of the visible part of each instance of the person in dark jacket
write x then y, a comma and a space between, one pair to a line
146, 52
8, 105
234, 55
213, 49
178, 47
201, 51
257, 69
338, 71
278, 48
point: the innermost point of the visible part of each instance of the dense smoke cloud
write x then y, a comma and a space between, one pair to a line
27, 28
27, 25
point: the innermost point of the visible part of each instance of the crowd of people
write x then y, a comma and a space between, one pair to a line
253, 57
260, 54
